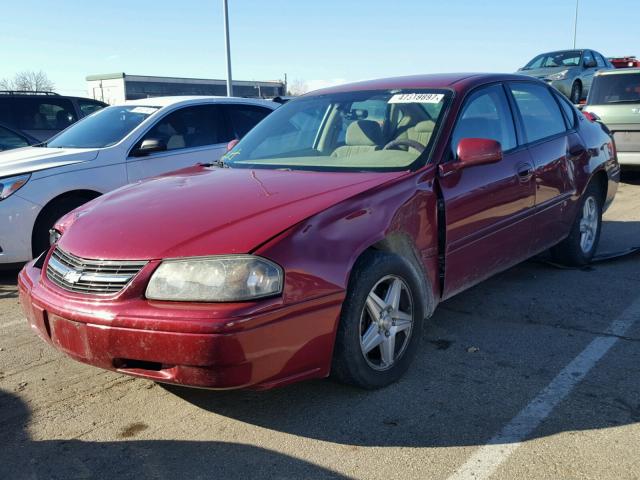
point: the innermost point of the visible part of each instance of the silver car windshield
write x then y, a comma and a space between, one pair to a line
569, 58
103, 128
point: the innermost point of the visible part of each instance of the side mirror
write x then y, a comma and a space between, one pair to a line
232, 144
148, 146
472, 152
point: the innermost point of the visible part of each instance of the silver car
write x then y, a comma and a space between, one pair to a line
570, 71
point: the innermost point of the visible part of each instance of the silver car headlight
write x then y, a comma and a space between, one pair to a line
558, 76
10, 185
231, 278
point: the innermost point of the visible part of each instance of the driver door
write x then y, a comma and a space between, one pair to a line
488, 208
189, 135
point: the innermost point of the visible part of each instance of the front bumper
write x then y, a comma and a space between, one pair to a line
629, 158
17, 217
201, 345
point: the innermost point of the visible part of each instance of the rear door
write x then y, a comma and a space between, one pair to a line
553, 144
193, 134
487, 207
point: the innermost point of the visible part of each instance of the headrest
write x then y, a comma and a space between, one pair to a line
364, 132
425, 126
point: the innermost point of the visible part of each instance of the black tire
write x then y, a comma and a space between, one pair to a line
350, 365
47, 219
576, 93
571, 251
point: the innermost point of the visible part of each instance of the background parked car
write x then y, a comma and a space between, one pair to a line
118, 145
10, 139
625, 62
570, 71
615, 98
43, 114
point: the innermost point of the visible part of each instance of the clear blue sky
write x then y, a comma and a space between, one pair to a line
318, 41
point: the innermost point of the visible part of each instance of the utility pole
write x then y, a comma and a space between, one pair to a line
228, 47
575, 25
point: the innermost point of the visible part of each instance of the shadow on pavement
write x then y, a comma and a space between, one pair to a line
23, 458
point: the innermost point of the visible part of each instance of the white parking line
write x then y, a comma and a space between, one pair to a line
489, 457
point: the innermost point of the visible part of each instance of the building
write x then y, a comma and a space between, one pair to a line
117, 87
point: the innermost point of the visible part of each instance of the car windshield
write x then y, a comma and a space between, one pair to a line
103, 128
616, 88
569, 58
364, 130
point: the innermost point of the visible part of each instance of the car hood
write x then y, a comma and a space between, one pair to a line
33, 159
545, 72
203, 211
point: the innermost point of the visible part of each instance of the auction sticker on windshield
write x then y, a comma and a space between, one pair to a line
417, 98
144, 110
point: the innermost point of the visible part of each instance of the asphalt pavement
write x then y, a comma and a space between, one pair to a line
533, 374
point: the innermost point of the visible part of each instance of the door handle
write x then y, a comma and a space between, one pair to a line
524, 171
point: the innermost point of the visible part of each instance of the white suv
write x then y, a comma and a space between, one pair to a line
114, 146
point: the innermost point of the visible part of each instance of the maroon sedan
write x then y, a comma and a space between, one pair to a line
321, 242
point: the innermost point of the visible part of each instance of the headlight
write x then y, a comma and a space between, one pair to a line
10, 185
230, 278
558, 76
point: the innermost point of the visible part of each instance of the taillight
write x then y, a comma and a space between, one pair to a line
592, 117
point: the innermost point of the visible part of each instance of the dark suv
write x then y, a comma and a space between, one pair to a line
43, 114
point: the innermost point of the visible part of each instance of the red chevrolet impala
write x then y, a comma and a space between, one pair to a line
321, 242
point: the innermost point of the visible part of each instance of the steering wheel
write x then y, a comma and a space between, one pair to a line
409, 143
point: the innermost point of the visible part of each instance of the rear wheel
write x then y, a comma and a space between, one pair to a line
576, 93
580, 246
380, 323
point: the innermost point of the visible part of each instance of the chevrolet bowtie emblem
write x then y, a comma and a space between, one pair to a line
72, 276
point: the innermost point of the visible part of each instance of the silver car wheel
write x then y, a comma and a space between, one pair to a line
386, 323
588, 224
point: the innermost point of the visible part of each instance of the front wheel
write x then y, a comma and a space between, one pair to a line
580, 246
381, 322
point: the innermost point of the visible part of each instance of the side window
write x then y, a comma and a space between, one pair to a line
567, 110
9, 140
599, 60
44, 113
191, 127
486, 114
245, 117
87, 107
587, 58
540, 113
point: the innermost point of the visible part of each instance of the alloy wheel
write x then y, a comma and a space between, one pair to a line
588, 224
386, 322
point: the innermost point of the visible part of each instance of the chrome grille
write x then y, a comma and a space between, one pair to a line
98, 277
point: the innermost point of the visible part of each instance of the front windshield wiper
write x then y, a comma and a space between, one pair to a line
218, 163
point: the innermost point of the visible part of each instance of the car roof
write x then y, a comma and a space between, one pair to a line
618, 71
455, 81
194, 100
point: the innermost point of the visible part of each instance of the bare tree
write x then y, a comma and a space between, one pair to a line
28, 81
298, 87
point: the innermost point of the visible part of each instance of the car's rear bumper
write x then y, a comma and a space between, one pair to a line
268, 349
629, 158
